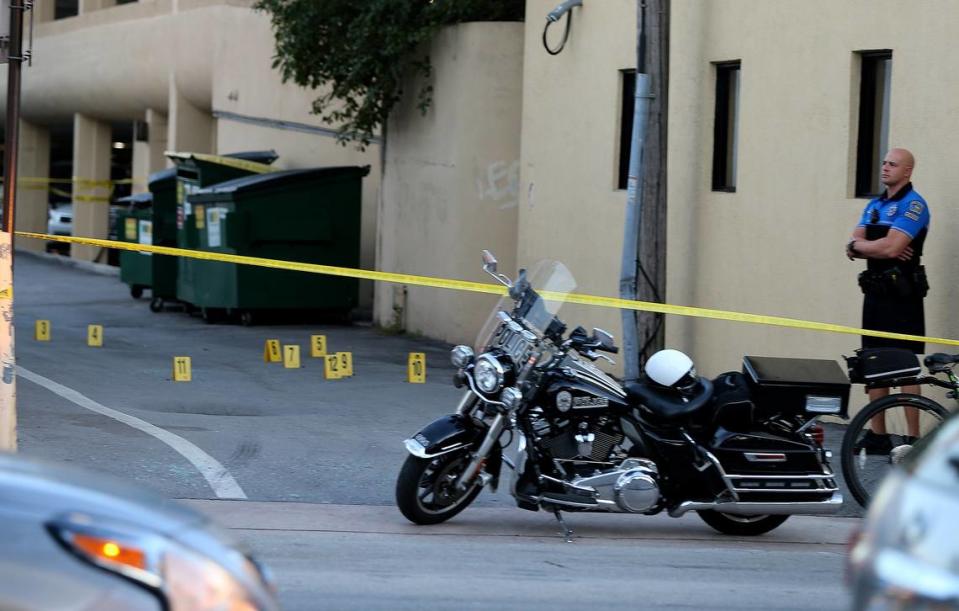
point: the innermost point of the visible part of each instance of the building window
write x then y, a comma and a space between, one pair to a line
726, 127
626, 113
873, 139
66, 8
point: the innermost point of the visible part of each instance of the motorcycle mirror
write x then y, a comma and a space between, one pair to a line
489, 262
604, 337
489, 266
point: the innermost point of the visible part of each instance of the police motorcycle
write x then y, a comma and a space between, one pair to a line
743, 451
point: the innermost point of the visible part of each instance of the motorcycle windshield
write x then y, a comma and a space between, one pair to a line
549, 284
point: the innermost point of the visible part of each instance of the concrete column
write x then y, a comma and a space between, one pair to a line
32, 201
44, 10
189, 129
148, 156
85, 6
91, 162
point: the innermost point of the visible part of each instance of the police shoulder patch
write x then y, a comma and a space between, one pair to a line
916, 207
912, 215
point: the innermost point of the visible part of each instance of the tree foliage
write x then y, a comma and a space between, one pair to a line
360, 51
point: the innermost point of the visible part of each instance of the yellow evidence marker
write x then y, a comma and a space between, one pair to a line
331, 367
95, 336
182, 369
42, 331
346, 364
317, 346
291, 356
416, 368
271, 351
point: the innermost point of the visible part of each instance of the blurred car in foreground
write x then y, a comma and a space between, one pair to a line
906, 554
76, 540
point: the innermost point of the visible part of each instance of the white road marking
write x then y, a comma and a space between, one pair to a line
223, 484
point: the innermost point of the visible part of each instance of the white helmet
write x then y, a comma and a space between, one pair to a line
672, 369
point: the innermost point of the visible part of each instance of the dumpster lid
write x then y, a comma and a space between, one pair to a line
161, 175
137, 200
276, 179
251, 161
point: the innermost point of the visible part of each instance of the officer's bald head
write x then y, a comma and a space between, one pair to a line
896, 169
904, 156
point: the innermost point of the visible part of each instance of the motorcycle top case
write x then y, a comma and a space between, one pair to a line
791, 387
878, 364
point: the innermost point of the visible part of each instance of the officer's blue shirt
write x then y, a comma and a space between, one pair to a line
906, 211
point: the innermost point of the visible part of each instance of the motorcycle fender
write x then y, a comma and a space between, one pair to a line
442, 436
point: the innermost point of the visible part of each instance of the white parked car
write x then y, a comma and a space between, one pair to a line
60, 220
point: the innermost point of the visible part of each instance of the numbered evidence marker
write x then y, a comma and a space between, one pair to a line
95, 335
346, 364
317, 346
182, 369
271, 351
291, 356
416, 368
331, 367
42, 331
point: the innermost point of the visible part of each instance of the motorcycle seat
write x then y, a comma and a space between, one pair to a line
667, 405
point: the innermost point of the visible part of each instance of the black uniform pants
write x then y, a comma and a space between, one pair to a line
896, 315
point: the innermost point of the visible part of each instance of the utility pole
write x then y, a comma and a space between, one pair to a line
643, 269
14, 58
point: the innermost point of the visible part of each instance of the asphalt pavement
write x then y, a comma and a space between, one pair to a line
314, 462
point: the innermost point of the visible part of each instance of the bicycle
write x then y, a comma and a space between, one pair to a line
866, 456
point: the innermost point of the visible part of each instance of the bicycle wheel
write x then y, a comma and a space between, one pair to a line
867, 456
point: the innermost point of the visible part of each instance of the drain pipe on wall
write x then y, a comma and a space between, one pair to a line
628, 283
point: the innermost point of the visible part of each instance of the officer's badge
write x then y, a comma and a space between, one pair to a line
891, 211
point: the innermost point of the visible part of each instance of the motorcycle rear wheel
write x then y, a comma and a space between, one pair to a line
425, 492
741, 526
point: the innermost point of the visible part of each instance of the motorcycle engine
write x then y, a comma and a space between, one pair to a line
588, 438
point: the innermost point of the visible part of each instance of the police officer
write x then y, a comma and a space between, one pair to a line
890, 237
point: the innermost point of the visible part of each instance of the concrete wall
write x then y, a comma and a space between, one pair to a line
200, 70
451, 180
570, 206
775, 246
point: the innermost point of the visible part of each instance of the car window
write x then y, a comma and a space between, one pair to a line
935, 459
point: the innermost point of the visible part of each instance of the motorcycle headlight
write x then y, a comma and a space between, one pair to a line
461, 356
489, 374
185, 578
511, 397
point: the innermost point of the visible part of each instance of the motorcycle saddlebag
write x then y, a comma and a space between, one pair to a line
797, 387
877, 364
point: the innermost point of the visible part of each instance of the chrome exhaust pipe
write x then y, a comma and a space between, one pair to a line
832, 505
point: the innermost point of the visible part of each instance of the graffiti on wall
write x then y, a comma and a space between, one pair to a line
500, 184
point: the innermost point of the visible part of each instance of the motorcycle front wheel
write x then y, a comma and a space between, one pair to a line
742, 526
426, 488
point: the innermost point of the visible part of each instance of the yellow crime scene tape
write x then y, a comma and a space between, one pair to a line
36, 183
479, 287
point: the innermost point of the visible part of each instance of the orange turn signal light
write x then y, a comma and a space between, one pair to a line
110, 550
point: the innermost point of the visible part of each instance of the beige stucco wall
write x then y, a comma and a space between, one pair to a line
450, 185
570, 207
776, 245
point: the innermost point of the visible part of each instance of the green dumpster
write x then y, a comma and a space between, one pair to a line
195, 171
135, 224
162, 186
309, 216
